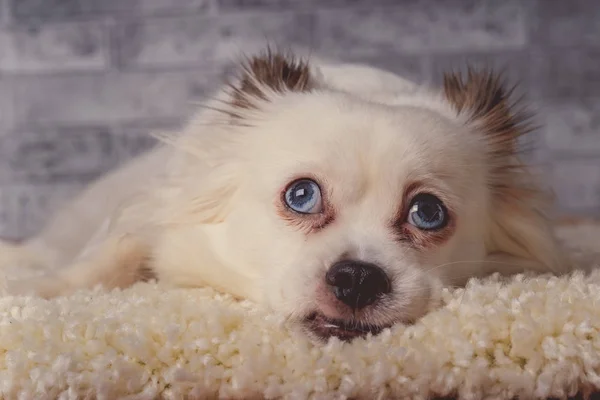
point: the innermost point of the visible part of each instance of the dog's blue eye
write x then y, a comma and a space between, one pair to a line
304, 197
427, 212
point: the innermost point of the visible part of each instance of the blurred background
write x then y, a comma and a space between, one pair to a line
82, 82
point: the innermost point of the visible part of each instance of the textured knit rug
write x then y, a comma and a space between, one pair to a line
526, 338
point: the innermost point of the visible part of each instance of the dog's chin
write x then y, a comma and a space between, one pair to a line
323, 328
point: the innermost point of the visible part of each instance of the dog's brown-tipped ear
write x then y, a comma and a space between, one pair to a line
518, 226
266, 74
486, 100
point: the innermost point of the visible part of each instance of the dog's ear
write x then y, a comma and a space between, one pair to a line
519, 225
266, 75
485, 100
486, 104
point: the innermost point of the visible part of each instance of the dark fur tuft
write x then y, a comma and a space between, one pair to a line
487, 101
269, 71
519, 222
490, 104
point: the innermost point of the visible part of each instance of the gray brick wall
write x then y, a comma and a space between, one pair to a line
83, 81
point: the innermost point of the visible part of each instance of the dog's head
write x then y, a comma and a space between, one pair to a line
349, 210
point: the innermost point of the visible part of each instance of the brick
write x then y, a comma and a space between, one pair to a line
48, 10
451, 26
69, 154
295, 4
85, 99
561, 72
573, 125
7, 110
58, 155
62, 9
132, 142
168, 7
566, 23
205, 41
56, 47
411, 67
577, 183
10, 221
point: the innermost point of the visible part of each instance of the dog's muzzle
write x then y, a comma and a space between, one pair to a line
356, 285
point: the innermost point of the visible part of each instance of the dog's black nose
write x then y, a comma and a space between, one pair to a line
357, 284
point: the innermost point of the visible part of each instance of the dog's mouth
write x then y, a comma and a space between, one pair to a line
324, 328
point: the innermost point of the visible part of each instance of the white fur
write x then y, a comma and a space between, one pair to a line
200, 210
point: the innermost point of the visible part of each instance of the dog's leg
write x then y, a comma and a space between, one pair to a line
117, 262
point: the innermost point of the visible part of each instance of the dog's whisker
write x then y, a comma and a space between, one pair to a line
507, 263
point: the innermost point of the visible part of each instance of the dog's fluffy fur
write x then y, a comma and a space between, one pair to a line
206, 207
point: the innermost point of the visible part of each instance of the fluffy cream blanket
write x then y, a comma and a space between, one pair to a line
527, 337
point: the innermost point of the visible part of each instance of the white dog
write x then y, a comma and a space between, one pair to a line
339, 195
